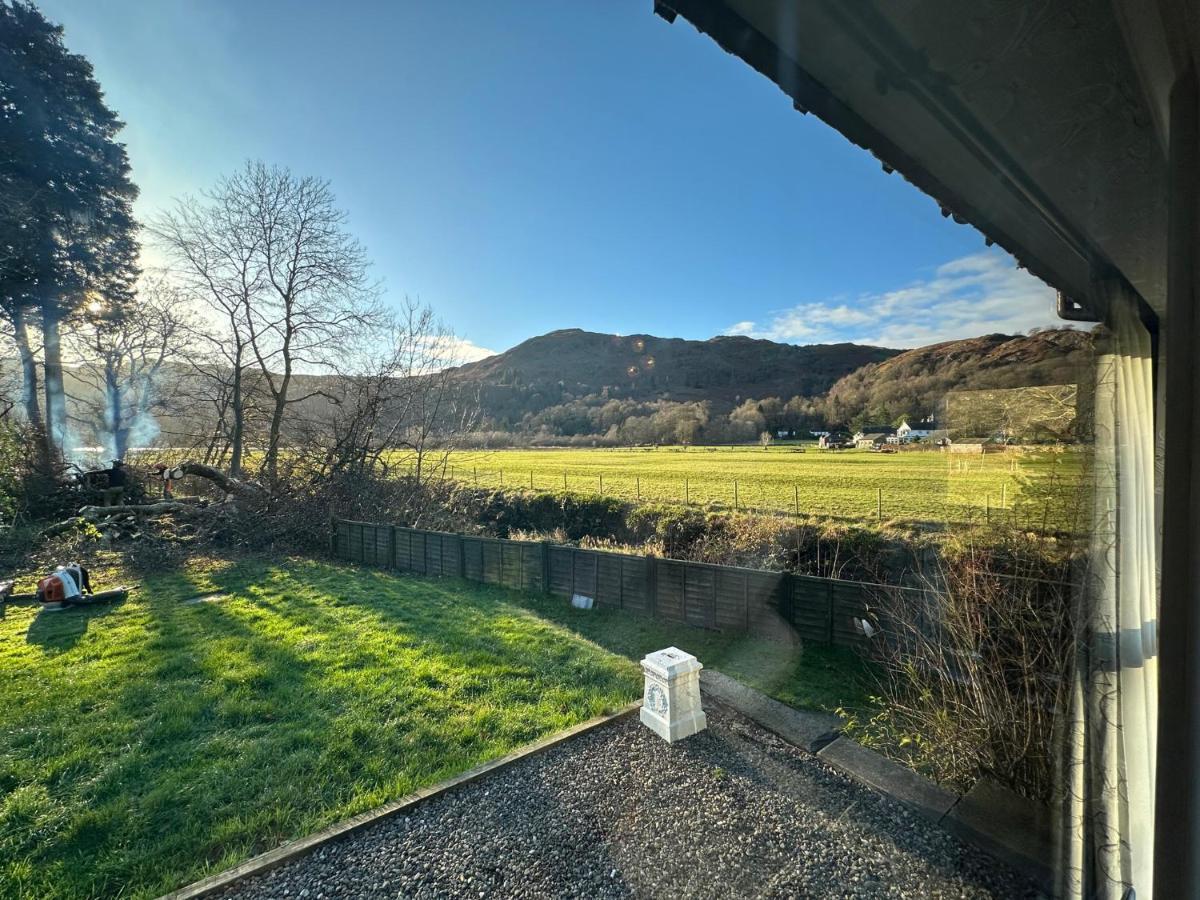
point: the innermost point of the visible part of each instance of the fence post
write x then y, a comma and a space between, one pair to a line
601, 485
638, 487
735, 496
462, 557
333, 536
796, 498
987, 508
392, 547
879, 504
545, 567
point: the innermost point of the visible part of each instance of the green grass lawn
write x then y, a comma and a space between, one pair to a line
146, 744
918, 486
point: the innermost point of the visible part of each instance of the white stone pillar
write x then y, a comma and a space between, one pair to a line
671, 702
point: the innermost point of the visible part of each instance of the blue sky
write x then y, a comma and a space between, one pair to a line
526, 166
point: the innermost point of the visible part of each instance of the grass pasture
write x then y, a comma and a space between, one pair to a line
926, 486
146, 744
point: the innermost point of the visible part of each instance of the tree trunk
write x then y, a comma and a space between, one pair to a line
29, 390
239, 420
56, 409
272, 462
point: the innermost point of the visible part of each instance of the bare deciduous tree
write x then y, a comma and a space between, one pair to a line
398, 405
269, 254
216, 261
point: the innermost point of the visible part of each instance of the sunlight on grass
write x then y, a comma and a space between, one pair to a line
920, 486
145, 744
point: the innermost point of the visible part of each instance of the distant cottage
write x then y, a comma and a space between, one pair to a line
870, 441
871, 430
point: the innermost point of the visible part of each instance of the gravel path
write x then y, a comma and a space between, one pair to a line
730, 812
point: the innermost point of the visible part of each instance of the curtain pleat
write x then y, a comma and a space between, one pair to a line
1109, 752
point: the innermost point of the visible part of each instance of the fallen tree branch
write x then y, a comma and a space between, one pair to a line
95, 513
220, 479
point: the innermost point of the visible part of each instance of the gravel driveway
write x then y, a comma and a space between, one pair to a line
731, 812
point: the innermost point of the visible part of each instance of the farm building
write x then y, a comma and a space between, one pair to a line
833, 440
869, 430
870, 441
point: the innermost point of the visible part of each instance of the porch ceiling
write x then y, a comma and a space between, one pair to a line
1028, 120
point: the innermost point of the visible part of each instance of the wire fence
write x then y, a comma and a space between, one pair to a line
928, 501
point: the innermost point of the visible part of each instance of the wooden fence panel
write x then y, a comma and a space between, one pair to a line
584, 579
531, 566
491, 561
732, 590
437, 553
725, 598
766, 601
420, 552
668, 595
699, 596
472, 558
561, 563
849, 603
635, 584
510, 565
402, 543
380, 545
810, 608
608, 580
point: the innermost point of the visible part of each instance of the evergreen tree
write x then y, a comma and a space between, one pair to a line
67, 233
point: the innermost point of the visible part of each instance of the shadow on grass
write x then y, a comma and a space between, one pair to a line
58, 630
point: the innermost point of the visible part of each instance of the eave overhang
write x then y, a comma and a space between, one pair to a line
1025, 120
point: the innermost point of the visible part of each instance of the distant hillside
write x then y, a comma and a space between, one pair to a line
573, 364
916, 381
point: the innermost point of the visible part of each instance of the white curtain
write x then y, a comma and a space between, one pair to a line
1108, 777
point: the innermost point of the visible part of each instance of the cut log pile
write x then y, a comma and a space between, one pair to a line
127, 520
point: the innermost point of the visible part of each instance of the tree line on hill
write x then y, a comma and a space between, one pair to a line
969, 387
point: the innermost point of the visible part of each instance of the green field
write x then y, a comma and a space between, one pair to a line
923, 486
146, 744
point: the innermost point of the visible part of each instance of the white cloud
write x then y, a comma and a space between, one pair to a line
978, 294
463, 351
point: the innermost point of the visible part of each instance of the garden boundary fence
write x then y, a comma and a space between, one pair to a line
775, 605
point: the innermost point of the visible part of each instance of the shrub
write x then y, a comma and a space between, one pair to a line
975, 673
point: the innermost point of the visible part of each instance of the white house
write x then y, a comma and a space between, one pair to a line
907, 433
